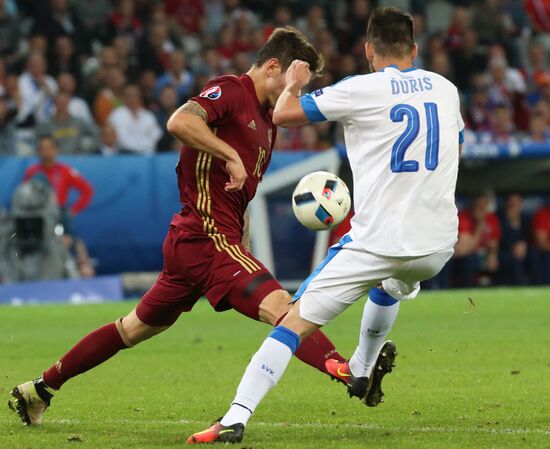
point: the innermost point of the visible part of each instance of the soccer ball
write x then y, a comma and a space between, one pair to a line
321, 201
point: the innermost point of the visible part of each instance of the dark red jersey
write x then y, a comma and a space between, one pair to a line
237, 117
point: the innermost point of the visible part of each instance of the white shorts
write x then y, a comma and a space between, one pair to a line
348, 272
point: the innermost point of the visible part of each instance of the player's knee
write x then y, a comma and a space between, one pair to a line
297, 324
134, 331
275, 306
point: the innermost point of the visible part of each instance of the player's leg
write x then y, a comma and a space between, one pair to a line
373, 358
262, 374
324, 296
259, 296
31, 398
159, 309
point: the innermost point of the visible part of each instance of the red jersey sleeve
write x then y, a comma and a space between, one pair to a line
85, 190
30, 172
220, 98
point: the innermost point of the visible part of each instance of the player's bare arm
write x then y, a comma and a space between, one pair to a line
189, 125
288, 111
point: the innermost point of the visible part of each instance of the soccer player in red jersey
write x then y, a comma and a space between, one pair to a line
228, 136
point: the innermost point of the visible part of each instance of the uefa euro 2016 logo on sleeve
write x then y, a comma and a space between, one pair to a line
212, 93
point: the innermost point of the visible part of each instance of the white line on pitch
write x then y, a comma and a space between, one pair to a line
315, 425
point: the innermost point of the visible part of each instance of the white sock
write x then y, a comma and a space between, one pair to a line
379, 315
262, 374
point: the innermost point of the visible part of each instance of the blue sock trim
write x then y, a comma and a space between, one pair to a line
380, 297
286, 337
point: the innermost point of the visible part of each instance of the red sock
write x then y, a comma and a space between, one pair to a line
316, 349
92, 350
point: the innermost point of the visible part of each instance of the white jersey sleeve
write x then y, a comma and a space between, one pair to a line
332, 103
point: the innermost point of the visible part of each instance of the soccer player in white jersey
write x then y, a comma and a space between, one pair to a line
403, 132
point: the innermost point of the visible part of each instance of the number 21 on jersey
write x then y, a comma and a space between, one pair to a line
397, 114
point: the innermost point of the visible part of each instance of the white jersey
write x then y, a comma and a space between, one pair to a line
402, 130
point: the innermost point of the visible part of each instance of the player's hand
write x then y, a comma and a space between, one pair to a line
298, 74
237, 175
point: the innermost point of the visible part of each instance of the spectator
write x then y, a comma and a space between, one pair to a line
62, 21
147, 81
7, 130
213, 63
308, 139
188, 14
64, 59
507, 85
177, 76
537, 63
439, 63
539, 132
542, 109
126, 54
501, 126
281, 18
9, 31
37, 90
488, 19
92, 14
110, 97
457, 29
229, 46
109, 141
513, 245
136, 127
353, 24
77, 106
505, 81
313, 22
124, 21
283, 141
168, 103
542, 88
541, 251
479, 234
72, 135
468, 60
12, 96
61, 177
155, 49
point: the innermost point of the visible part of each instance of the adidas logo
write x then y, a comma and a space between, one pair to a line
252, 125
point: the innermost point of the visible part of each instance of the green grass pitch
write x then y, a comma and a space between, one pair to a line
470, 374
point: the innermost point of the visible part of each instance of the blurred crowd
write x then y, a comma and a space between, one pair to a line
500, 242
104, 75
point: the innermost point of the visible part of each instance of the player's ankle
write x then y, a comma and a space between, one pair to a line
43, 391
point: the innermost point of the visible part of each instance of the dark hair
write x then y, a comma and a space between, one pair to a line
287, 44
48, 137
391, 32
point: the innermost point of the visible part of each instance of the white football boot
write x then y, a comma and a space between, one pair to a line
30, 400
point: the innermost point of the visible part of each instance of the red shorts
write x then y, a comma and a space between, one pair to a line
229, 276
